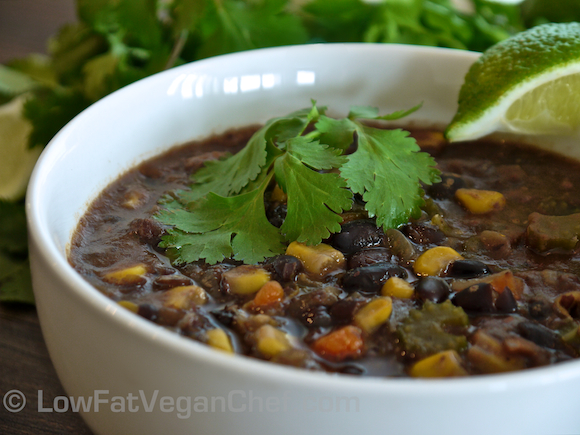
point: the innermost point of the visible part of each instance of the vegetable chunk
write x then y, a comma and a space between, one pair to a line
553, 233
424, 333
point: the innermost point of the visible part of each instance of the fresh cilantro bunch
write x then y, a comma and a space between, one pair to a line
223, 214
440, 23
14, 265
116, 42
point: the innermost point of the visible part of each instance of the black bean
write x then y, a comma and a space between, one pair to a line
422, 234
465, 269
316, 317
432, 289
358, 234
401, 246
477, 298
539, 334
166, 282
225, 316
343, 311
148, 311
286, 266
447, 187
170, 316
163, 269
539, 309
357, 198
352, 369
316, 298
148, 230
505, 302
371, 278
368, 256
277, 215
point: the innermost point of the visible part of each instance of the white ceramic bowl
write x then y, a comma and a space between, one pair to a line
118, 359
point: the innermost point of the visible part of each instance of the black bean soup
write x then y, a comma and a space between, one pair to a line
486, 280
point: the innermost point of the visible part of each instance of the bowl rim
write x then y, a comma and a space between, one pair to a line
169, 341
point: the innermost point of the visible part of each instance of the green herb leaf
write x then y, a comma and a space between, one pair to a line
386, 170
314, 154
225, 207
230, 175
243, 25
218, 227
314, 199
337, 133
15, 281
50, 110
13, 228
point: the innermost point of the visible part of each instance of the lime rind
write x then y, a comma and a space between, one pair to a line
16, 159
493, 118
509, 70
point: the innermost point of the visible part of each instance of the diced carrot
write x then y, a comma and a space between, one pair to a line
507, 279
499, 281
269, 294
346, 342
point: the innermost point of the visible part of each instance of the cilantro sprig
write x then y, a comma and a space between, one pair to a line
309, 156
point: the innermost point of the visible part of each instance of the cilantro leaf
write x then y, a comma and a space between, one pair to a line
223, 215
314, 154
314, 199
15, 281
243, 25
13, 228
386, 169
217, 227
338, 133
367, 112
50, 110
230, 175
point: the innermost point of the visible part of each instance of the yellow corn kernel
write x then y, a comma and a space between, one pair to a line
128, 275
441, 365
271, 341
318, 260
487, 355
218, 339
185, 297
374, 314
131, 306
134, 199
246, 280
480, 201
397, 288
278, 195
434, 261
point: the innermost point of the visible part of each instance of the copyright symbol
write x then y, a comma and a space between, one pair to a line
14, 401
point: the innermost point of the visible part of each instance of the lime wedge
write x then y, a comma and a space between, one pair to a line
528, 84
16, 159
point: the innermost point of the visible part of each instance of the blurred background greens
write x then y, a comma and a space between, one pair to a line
115, 42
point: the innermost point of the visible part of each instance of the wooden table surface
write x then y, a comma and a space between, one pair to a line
25, 364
